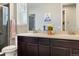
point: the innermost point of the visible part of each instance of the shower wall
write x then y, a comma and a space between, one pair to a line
3, 26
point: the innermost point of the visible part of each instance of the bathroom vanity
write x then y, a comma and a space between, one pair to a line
39, 44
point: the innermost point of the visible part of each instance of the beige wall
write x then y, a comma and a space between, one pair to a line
21, 24
11, 11
77, 17
21, 29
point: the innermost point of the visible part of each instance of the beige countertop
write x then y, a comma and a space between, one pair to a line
60, 36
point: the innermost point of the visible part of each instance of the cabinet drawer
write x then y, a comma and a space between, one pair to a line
29, 39
59, 51
74, 44
60, 43
44, 50
21, 38
35, 41
43, 41
74, 52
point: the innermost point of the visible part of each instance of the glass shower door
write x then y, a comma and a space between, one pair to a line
4, 25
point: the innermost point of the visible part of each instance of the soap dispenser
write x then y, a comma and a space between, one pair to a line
50, 30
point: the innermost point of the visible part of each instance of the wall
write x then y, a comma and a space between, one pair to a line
77, 17
21, 17
70, 18
40, 9
21, 29
0, 19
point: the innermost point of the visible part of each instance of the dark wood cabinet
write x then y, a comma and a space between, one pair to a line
44, 50
59, 47
35, 50
19, 46
32, 49
39, 46
59, 51
21, 49
27, 46
74, 52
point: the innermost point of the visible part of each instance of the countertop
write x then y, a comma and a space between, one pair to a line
60, 36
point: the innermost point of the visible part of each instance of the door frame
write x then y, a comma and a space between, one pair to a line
64, 18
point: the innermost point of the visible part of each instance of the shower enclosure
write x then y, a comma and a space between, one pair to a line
4, 25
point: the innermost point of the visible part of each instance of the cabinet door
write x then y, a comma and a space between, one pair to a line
32, 49
44, 49
59, 51
32, 46
22, 48
19, 48
27, 46
35, 44
74, 52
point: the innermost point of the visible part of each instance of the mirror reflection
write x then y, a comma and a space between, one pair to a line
62, 17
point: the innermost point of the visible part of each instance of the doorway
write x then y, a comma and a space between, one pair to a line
63, 20
69, 17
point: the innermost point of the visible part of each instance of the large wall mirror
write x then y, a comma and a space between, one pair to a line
38, 12
64, 17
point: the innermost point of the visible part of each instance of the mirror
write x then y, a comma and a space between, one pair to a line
64, 17
49, 11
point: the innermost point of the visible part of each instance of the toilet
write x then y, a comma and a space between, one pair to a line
10, 50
